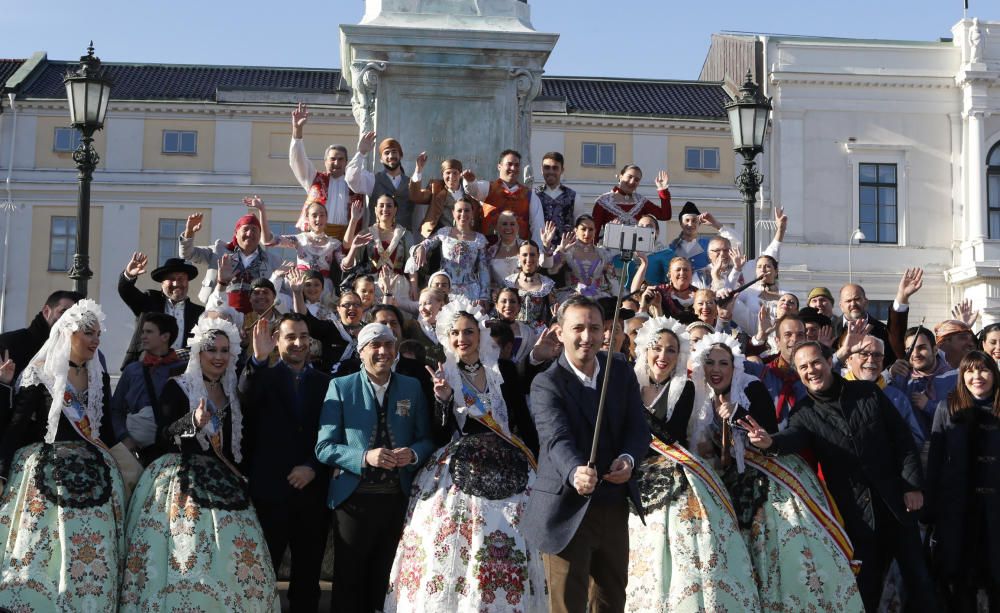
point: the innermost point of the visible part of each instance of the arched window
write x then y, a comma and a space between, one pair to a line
993, 191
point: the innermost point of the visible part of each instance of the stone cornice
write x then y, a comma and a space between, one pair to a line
862, 80
613, 121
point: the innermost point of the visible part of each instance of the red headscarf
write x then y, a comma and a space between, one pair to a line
248, 219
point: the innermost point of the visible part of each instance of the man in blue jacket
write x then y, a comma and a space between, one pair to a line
374, 433
577, 514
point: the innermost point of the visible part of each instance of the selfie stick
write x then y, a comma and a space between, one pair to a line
627, 255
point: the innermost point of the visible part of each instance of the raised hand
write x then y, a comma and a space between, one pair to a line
826, 336
764, 323
227, 268
856, 333
263, 340
779, 217
739, 258
909, 284
254, 202
360, 240
366, 143
547, 347
193, 224
442, 391
6, 369
662, 180
468, 176
568, 240
201, 414
295, 279
548, 232
710, 220
421, 161
357, 210
300, 115
758, 436
137, 265
964, 312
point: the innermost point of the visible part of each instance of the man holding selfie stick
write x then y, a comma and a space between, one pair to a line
578, 511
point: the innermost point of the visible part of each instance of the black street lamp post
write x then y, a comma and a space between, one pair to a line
88, 92
748, 117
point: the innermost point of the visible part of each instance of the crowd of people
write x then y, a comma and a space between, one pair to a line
422, 385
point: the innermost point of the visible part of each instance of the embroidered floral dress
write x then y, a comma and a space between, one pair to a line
461, 549
535, 304
589, 272
194, 542
799, 551
61, 513
465, 261
689, 554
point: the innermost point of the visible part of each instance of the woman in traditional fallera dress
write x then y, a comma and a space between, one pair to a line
534, 289
194, 542
61, 537
461, 548
589, 268
689, 554
800, 553
463, 255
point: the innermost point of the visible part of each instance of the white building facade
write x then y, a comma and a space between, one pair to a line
896, 138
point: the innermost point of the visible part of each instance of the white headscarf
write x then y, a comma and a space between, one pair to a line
50, 366
645, 338
193, 383
704, 394
489, 354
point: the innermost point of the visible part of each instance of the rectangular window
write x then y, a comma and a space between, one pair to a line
180, 142
167, 232
701, 158
598, 154
877, 202
279, 228
62, 243
66, 140
993, 202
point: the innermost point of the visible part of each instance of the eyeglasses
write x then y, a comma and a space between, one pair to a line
868, 354
350, 305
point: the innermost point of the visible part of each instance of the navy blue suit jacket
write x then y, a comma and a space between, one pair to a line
565, 413
277, 438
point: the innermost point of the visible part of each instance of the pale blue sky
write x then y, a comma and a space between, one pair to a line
662, 39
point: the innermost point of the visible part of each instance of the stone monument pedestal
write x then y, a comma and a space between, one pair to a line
454, 78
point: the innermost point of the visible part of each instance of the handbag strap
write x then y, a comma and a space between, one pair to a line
151, 392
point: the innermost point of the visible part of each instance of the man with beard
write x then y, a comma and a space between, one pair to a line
821, 299
926, 378
871, 467
329, 187
558, 201
508, 194
777, 373
441, 195
19, 346
174, 278
287, 483
245, 256
391, 180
